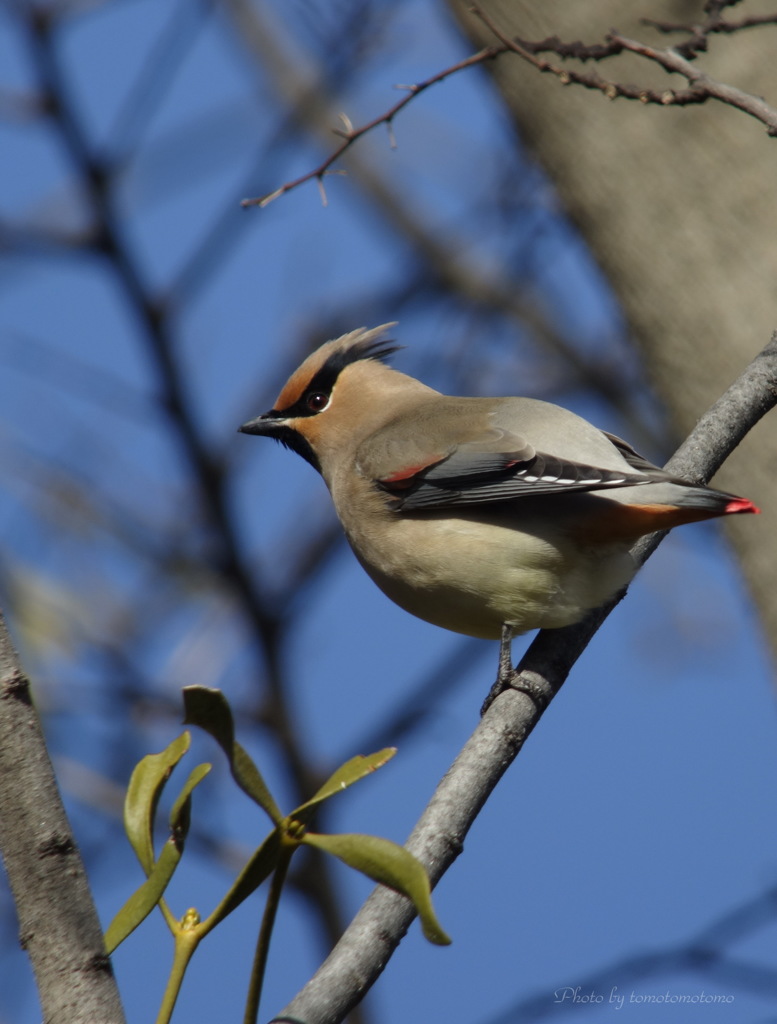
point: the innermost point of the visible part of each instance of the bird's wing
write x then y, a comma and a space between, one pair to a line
632, 456
471, 474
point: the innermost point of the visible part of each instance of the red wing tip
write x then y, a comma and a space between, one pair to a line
741, 505
406, 473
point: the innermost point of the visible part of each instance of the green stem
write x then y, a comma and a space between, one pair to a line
185, 945
263, 940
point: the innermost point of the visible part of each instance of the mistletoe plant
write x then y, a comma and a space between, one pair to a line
381, 860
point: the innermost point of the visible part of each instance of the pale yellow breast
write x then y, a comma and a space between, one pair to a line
470, 575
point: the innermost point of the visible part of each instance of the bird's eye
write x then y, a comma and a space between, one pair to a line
317, 401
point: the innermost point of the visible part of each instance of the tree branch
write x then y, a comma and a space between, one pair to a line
675, 60
714, 24
706, 86
58, 923
351, 134
367, 945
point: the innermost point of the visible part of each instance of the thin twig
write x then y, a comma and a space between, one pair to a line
590, 79
351, 135
677, 60
714, 24
670, 60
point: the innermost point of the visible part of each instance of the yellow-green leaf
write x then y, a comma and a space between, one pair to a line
346, 775
142, 902
143, 792
209, 709
261, 864
391, 865
180, 813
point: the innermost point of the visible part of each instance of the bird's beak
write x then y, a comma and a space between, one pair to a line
275, 424
267, 425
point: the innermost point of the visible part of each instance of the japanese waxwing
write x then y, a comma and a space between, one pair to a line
487, 516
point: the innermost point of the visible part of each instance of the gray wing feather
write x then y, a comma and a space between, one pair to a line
475, 478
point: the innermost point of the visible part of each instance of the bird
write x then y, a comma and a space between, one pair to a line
489, 517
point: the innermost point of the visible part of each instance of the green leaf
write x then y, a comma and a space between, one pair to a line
210, 710
142, 902
262, 863
180, 813
346, 775
391, 865
143, 792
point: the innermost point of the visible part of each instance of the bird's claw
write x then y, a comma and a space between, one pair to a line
509, 678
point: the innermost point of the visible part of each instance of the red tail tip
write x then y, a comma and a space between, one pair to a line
741, 505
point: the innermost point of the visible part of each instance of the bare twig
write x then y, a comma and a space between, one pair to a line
702, 86
709, 87
715, 26
367, 945
351, 134
589, 80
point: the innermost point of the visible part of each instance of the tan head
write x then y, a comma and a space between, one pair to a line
339, 395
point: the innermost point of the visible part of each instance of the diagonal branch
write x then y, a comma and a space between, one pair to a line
367, 945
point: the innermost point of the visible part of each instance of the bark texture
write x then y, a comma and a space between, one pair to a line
58, 923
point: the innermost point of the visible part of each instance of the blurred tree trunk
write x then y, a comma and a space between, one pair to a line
676, 204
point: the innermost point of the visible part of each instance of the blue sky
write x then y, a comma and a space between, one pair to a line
640, 811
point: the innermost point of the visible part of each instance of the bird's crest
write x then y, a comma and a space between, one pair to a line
321, 369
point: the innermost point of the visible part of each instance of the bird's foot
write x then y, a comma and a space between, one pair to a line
509, 678
506, 671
